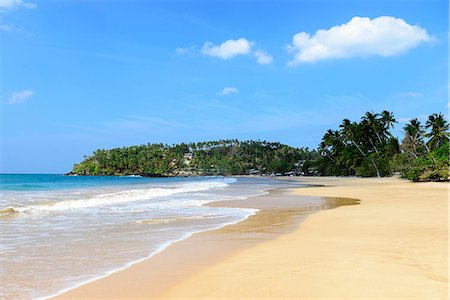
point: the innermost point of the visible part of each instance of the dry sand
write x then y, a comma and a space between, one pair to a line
393, 245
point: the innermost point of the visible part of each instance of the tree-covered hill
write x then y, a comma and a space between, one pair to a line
224, 157
365, 148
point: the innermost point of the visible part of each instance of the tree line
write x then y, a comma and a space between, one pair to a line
223, 157
365, 148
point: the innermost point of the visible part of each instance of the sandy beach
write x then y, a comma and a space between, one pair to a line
394, 244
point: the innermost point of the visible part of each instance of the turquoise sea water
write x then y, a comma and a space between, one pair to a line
42, 182
58, 232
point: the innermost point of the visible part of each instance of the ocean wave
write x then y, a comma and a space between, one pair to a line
170, 220
123, 196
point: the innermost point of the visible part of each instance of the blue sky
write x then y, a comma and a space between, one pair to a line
82, 75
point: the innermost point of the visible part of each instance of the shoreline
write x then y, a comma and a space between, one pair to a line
262, 203
130, 264
392, 245
162, 247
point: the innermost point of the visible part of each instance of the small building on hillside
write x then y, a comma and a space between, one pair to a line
188, 157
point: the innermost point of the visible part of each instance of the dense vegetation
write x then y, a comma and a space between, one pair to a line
368, 148
225, 157
365, 148
426, 161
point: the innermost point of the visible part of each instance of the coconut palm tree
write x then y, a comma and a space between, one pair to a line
371, 120
413, 140
388, 120
414, 129
348, 132
438, 130
330, 143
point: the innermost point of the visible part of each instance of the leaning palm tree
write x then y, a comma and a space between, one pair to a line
348, 132
371, 120
330, 143
438, 130
413, 140
367, 134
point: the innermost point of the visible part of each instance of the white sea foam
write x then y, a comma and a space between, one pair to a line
247, 212
108, 227
123, 196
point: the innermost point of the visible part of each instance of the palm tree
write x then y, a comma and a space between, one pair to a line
438, 130
414, 128
388, 120
348, 131
373, 123
413, 137
330, 142
366, 134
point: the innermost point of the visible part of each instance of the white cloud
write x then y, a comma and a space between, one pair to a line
362, 36
263, 58
184, 50
10, 28
228, 90
412, 94
12, 4
19, 97
181, 50
231, 48
6, 27
228, 49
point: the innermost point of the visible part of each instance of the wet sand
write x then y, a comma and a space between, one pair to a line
280, 212
394, 244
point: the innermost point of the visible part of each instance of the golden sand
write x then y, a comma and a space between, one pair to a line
393, 245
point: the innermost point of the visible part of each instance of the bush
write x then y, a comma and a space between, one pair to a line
433, 166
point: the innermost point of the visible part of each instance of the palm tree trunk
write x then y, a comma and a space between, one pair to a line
375, 148
356, 145
330, 157
376, 168
378, 136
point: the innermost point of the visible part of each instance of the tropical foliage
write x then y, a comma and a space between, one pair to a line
426, 161
224, 157
362, 148
433, 166
368, 148
365, 148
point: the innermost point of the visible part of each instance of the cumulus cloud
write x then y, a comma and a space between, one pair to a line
19, 97
228, 49
228, 90
232, 48
263, 58
361, 36
12, 4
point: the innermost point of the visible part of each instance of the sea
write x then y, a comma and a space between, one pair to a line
59, 232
